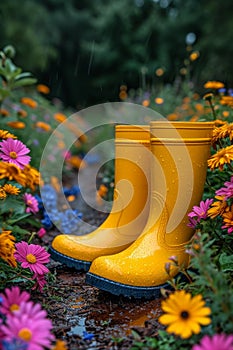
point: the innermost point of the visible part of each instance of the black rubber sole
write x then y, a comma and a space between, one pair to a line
125, 289
79, 265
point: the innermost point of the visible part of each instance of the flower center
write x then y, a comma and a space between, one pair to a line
31, 258
25, 334
29, 202
14, 307
184, 315
13, 155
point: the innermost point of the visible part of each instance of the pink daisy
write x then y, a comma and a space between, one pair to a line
14, 151
199, 212
31, 202
29, 325
32, 256
217, 342
40, 282
41, 232
12, 299
227, 191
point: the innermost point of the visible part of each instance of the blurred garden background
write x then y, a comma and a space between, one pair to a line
85, 51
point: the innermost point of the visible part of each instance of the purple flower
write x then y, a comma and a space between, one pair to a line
14, 151
227, 191
31, 202
40, 282
199, 212
29, 325
12, 299
32, 256
217, 342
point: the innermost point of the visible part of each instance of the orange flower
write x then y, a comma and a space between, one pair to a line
101, 193
43, 125
222, 132
7, 248
227, 101
4, 134
59, 117
213, 85
159, 100
60, 345
2, 193
12, 172
44, 89
55, 183
172, 116
225, 114
228, 219
4, 112
32, 177
199, 107
222, 157
10, 189
159, 72
76, 162
146, 103
123, 95
22, 113
29, 102
16, 125
217, 208
194, 55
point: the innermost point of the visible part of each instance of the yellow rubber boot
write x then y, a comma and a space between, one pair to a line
178, 173
130, 207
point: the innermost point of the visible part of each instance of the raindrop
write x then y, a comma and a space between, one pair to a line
91, 57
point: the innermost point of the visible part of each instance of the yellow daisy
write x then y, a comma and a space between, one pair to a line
12, 172
184, 314
7, 248
2, 193
10, 189
4, 134
217, 208
223, 156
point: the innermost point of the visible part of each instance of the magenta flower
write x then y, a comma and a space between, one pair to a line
40, 282
12, 299
199, 213
227, 191
32, 256
217, 342
29, 325
31, 202
41, 232
14, 151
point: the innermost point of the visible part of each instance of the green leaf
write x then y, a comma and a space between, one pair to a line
226, 262
24, 82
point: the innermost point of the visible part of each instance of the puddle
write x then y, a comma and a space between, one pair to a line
79, 327
113, 318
